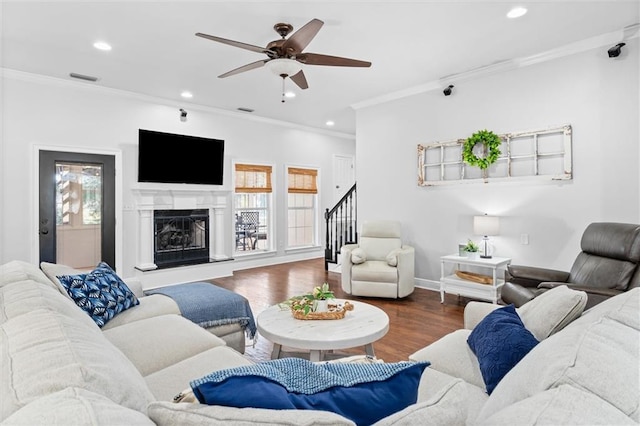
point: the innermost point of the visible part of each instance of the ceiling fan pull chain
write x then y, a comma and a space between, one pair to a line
283, 77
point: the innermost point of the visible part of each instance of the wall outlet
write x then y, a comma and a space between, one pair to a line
524, 239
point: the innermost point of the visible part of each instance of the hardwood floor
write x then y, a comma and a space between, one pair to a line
414, 321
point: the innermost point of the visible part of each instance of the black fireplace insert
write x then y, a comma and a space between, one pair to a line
181, 237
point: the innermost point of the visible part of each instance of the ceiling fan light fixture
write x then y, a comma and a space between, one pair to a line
283, 66
516, 12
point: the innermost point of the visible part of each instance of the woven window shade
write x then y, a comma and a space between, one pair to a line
302, 181
253, 178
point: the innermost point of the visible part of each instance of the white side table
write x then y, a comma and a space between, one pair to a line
451, 283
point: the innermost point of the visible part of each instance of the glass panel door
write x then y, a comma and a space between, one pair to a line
78, 214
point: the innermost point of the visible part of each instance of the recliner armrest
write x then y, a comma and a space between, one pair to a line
531, 276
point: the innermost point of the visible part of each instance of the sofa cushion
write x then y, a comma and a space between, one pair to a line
499, 342
21, 297
165, 384
156, 343
76, 406
374, 271
150, 306
452, 355
363, 393
101, 293
563, 405
596, 353
17, 270
377, 248
448, 407
44, 352
171, 414
552, 310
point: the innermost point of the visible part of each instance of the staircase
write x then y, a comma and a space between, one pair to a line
341, 226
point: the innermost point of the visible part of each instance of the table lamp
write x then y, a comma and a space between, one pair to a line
485, 226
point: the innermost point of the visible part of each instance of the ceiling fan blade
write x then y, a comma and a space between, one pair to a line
300, 80
335, 61
234, 43
251, 66
300, 39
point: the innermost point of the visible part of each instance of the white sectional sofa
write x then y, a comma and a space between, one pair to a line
150, 306
59, 368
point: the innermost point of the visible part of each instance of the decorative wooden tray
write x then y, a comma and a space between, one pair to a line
478, 278
335, 312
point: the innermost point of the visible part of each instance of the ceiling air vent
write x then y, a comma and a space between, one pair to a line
83, 77
245, 109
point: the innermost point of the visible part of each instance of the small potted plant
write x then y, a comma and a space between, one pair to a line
316, 301
471, 249
321, 294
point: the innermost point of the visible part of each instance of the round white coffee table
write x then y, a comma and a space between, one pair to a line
360, 327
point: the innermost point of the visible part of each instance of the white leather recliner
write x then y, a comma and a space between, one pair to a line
379, 265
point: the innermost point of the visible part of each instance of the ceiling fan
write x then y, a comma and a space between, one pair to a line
286, 55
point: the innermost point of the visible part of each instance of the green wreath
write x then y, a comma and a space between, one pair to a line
492, 143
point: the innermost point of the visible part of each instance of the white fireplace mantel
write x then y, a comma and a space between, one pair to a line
149, 199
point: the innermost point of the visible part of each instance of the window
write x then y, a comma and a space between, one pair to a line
78, 194
302, 212
252, 206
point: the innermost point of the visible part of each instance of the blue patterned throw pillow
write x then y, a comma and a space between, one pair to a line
101, 293
499, 342
363, 393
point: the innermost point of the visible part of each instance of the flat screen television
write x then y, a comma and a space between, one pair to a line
172, 158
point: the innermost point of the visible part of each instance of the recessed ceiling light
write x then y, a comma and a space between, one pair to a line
516, 12
101, 45
187, 95
290, 95
329, 123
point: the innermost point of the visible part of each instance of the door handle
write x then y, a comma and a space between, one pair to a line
44, 231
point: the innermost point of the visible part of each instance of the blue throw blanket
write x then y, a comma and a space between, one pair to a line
363, 393
208, 305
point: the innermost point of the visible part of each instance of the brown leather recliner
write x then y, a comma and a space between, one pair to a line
607, 265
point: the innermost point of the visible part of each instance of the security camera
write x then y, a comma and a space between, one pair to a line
614, 52
447, 90
183, 115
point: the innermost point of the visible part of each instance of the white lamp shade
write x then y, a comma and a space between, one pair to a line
283, 66
486, 225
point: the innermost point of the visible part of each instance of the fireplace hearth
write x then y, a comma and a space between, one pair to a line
181, 237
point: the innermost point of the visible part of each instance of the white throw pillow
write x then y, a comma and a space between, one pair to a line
392, 257
53, 270
551, 311
358, 256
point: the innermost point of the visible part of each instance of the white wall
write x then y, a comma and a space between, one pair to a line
38, 111
597, 95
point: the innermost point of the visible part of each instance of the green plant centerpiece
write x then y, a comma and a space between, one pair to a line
471, 247
307, 303
490, 147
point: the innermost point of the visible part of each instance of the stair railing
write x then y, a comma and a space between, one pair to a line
341, 226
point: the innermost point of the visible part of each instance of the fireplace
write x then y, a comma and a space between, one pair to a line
181, 237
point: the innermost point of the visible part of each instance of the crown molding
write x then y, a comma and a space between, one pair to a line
626, 33
95, 87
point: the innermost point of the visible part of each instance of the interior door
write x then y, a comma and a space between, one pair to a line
343, 175
77, 208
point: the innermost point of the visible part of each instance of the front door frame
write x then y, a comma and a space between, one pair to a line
35, 198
